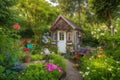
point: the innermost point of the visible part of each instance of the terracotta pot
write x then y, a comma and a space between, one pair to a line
27, 59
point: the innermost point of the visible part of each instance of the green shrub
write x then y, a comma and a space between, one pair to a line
39, 72
1, 69
9, 75
115, 54
10, 50
10, 53
36, 51
54, 49
36, 57
59, 60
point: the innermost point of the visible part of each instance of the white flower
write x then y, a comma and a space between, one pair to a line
109, 69
98, 29
52, 52
86, 73
88, 68
81, 72
115, 30
117, 62
83, 75
92, 32
41, 52
102, 34
111, 26
90, 59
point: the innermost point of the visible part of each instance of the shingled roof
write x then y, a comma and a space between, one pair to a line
61, 23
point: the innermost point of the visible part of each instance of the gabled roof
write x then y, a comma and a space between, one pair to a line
66, 22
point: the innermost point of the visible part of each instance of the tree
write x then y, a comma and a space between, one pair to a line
38, 13
107, 11
7, 14
70, 8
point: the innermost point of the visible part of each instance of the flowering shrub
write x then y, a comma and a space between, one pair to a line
34, 72
51, 71
58, 60
100, 68
51, 67
9, 48
10, 53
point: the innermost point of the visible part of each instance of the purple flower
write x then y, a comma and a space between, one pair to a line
84, 51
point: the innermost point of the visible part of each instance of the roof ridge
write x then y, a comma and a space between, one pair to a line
67, 21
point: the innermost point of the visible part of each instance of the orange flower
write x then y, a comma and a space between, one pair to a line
100, 48
101, 56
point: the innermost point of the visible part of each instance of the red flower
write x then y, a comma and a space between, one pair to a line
76, 61
77, 55
16, 26
27, 50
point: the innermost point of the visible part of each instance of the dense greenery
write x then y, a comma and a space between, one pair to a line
6, 13
98, 19
9, 48
38, 14
100, 65
36, 71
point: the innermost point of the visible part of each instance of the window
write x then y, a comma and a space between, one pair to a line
55, 36
61, 35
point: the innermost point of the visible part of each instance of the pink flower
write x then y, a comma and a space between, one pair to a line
60, 69
51, 67
16, 26
54, 66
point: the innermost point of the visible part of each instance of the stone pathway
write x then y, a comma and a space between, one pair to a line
71, 72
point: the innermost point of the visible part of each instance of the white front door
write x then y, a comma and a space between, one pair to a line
62, 41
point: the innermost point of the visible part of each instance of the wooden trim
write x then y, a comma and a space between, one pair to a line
71, 24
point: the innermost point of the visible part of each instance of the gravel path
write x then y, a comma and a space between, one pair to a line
71, 72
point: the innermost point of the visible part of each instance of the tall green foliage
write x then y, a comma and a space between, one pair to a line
7, 13
107, 12
39, 14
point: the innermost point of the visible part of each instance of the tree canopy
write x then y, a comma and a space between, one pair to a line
7, 13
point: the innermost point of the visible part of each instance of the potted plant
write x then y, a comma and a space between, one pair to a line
27, 57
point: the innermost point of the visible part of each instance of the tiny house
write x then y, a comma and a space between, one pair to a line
66, 35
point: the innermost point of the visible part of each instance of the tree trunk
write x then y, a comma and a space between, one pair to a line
111, 24
79, 11
111, 28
